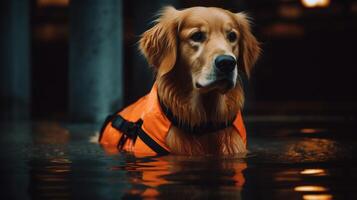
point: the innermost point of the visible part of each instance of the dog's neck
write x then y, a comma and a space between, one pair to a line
192, 107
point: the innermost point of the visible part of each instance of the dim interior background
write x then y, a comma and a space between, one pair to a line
78, 60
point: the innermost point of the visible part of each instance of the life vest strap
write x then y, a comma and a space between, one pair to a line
201, 129
132, 130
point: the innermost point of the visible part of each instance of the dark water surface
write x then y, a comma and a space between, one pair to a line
47, 160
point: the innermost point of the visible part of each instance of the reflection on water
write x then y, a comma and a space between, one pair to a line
317, 197
310, 188
311, 130
188, 177
314, 172
48, 161
50, 179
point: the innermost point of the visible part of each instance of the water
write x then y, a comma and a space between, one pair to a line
48, 160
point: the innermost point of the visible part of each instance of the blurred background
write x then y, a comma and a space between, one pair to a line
78, 60
66, 64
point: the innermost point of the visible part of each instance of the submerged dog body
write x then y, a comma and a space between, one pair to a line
198, 54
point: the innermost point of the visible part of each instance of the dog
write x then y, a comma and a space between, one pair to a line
194, 107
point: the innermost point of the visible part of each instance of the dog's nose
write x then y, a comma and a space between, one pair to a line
225, 63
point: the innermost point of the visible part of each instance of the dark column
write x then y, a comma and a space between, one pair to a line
14, 59
96, 79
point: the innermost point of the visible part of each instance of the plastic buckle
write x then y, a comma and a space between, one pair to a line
131, 129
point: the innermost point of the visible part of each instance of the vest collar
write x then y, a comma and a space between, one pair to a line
201, 129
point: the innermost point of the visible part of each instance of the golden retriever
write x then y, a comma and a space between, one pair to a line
196, 53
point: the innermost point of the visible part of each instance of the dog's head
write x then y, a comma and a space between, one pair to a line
211, 44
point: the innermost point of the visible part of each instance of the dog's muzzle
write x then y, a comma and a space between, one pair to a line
225, 64
225, 68
222, 76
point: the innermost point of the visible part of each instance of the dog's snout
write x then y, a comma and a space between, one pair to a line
225, 63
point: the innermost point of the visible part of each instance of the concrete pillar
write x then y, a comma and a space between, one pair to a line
14, 59
95, 74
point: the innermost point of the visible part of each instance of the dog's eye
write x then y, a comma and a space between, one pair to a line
198, 36
232, 36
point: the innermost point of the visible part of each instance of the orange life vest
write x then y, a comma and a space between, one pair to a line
142, 128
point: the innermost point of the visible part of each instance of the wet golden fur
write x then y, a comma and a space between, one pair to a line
179, 61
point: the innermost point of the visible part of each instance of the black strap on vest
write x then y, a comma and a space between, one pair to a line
201, 129
132, 130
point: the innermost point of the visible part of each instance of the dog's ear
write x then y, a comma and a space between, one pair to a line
249, 46
159, 44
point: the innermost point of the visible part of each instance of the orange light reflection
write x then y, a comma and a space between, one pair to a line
316, 172
317, 197
315, 3
310, 188
310, 130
